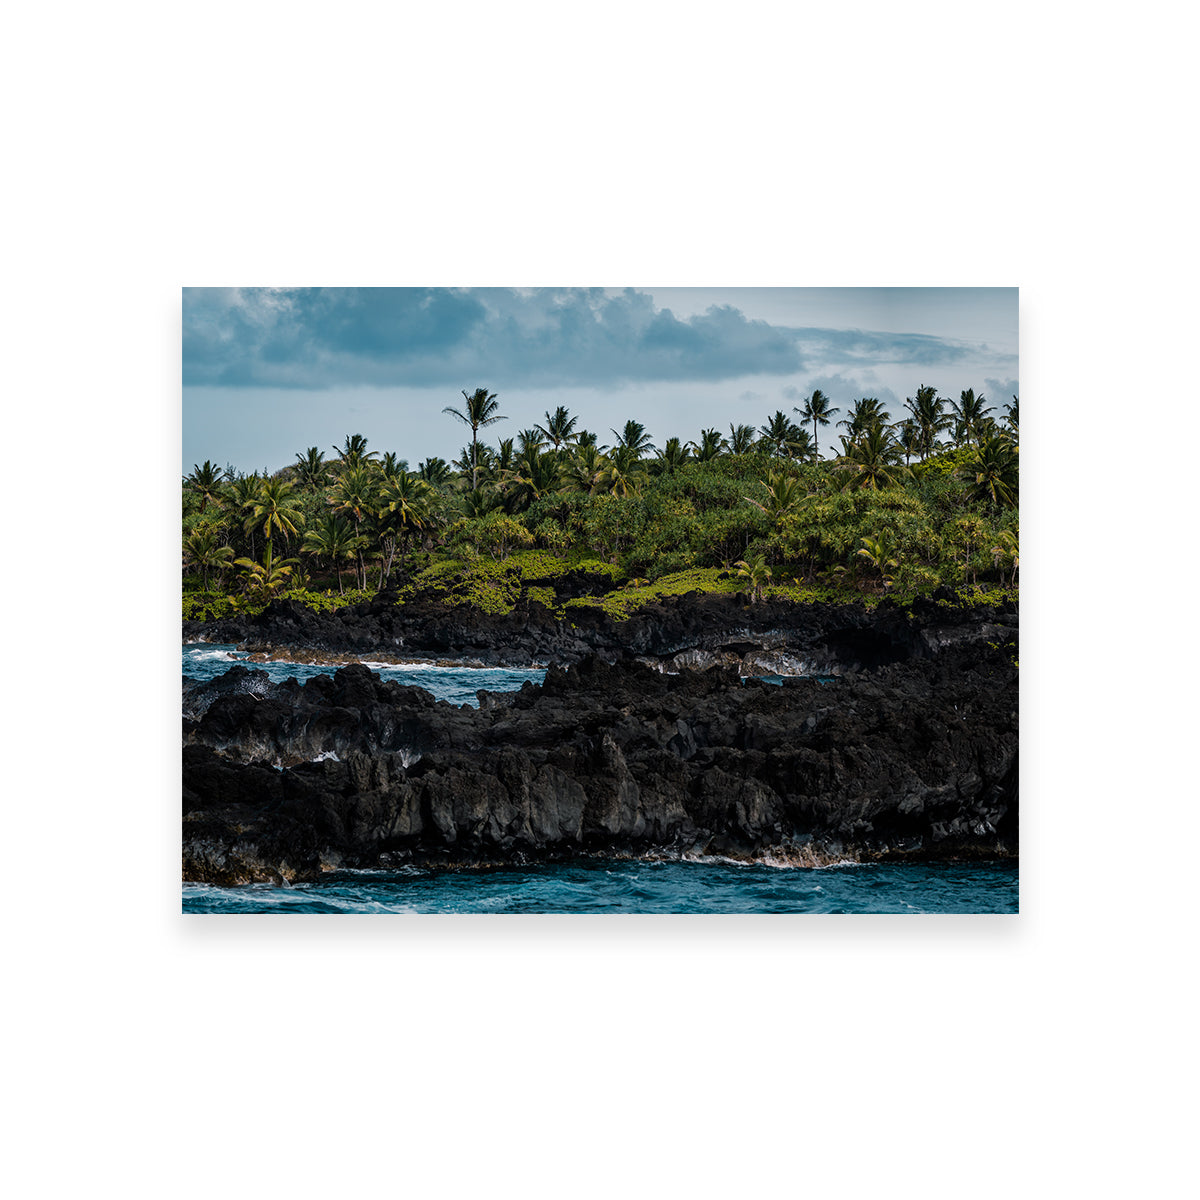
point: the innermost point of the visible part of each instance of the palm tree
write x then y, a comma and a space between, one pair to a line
709, 446
537, 474
673, 455
482, 409
355, 494
784, 436
393, 466
817, 410
558, 428
927, 412
741, 439
993, 473
1007, 547
881, 552
1010, 416
873, 461
405, 508
274, 509
204, 551
205, 481
264, 579
584, 438
334, 539
633, 443
354, 451
866, 412
784, 493
530, 439
969, 414
435, 471
757, 572
311, 471
583, 470
239, 495
909, 438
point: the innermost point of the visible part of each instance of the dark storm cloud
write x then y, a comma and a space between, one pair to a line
321, 337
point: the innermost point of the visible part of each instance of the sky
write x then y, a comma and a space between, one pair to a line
269, 372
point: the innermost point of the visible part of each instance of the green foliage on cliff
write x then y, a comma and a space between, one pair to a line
574, 527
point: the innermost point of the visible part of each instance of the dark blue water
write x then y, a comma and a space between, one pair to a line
590, 885
604, 886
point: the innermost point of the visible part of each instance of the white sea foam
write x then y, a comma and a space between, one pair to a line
327, 756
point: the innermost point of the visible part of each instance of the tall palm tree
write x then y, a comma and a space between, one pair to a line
741, 439
927, 412
481, 410
311, 471
558, 428
332, 538
873, 461
817, 410
274, 510
585, 437
205, 481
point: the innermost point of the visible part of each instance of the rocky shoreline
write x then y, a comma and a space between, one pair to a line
908, 752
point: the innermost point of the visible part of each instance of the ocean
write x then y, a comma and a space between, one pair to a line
592, 885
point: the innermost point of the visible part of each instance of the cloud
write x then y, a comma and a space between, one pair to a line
1001, 391
856, 346
325, 337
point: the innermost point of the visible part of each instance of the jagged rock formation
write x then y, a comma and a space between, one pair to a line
917, 758
694, 631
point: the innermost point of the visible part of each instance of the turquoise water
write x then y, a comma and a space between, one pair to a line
604, 886
591, 885
457, 685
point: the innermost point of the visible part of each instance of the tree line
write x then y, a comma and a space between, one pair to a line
915, 498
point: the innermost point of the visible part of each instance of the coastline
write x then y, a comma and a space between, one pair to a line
907, 752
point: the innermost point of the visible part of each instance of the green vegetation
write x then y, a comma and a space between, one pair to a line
552, 517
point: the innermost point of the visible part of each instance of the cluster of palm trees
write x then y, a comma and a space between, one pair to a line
360, 506
363, 503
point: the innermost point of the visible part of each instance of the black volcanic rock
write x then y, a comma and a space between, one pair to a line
680, 631
916, 758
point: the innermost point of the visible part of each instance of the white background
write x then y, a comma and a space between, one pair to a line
151, 146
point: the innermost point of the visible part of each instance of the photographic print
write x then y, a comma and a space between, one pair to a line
600, 600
